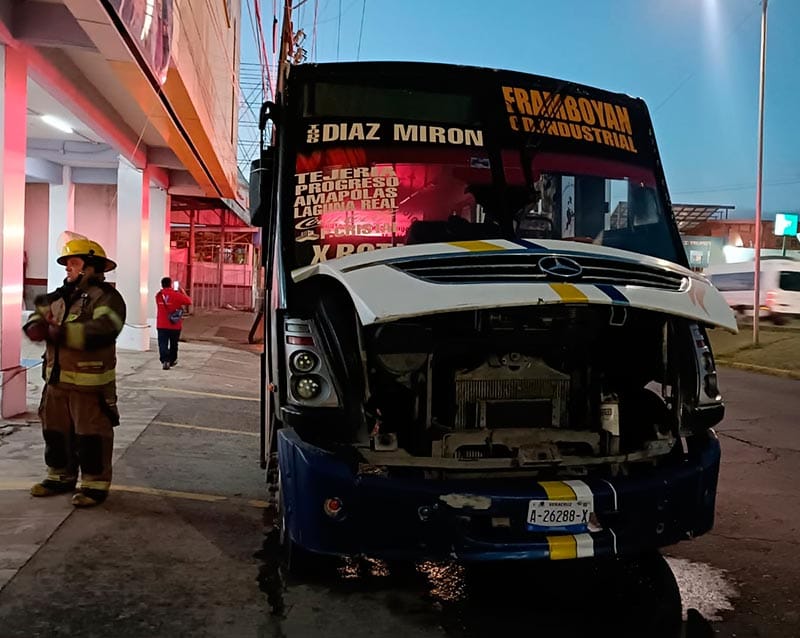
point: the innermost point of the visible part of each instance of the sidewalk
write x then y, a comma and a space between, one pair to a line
225, 327
143, 391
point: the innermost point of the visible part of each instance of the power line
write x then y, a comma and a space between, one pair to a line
314, 32
262, 42
253, 80
339, 31
361, 30
737, 187
341, 13
262, 62
694, 72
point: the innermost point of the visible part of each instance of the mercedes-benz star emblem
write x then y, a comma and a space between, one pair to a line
561, 267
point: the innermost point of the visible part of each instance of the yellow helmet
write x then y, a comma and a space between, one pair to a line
80, 246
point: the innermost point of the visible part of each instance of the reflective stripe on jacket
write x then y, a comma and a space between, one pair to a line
91, 316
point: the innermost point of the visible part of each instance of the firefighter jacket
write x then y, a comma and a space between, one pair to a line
81, 349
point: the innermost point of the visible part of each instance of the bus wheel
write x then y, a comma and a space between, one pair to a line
271, 574
651, 595
295, 561
778, 319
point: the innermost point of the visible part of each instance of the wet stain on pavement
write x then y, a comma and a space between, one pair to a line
272, 566
703, 587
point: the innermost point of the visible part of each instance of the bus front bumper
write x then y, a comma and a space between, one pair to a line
329, 508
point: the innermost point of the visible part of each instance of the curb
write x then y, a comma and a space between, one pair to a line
768, 328
752, 367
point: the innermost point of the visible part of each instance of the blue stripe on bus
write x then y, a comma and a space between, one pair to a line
614, 294
529, 244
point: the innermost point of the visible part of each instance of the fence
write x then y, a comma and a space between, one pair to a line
206, 291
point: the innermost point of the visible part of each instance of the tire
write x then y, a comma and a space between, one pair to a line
296, 562
647, 596
635, 597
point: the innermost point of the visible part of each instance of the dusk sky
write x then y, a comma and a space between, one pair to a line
695, 62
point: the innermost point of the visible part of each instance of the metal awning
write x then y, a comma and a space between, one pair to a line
688, 216
192, 202
189, 202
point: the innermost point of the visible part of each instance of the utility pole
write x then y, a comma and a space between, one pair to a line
286, 46
757, 263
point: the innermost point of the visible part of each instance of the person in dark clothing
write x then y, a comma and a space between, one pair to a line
169, 321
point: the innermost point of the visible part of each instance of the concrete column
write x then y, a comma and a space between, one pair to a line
13, 124
159, 249
133, 261
62, 217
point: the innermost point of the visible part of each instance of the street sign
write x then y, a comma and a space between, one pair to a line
703, 251
786, 224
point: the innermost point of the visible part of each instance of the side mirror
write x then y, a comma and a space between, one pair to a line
261, 183
262, 171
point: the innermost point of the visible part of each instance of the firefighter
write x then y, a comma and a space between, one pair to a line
79, 322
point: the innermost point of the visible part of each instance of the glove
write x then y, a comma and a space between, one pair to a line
54, 332
37, 331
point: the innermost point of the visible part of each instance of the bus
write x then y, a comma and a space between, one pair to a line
483, 340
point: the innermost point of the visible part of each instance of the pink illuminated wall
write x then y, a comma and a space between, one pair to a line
12, 228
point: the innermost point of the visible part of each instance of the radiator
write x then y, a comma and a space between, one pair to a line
511, 391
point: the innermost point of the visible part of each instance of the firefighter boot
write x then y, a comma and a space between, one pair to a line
94, 454
86, 497
50, 487
62, 467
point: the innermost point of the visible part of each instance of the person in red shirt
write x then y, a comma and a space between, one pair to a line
169, 321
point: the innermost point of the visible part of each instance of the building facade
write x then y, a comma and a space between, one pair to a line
110, 108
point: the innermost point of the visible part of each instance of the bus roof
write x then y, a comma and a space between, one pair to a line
510, 107
450, 73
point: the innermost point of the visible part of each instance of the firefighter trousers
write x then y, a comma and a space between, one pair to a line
78, 429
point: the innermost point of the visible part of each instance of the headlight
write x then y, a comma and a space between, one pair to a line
307, 388
303, 361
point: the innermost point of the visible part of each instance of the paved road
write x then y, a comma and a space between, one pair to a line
757, 533
180, 547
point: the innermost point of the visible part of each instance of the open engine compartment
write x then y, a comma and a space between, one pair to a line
534, 386
559, 390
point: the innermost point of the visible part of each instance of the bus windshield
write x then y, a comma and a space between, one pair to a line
352, 199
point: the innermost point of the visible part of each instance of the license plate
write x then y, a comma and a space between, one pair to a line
559, 513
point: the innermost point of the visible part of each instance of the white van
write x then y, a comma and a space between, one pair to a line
780, 286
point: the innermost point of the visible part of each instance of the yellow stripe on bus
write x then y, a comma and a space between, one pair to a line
476, 246
569, 293
562, 547
558, 491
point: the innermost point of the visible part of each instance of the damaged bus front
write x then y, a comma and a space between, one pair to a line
483, 340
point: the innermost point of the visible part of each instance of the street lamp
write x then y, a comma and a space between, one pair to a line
757, 264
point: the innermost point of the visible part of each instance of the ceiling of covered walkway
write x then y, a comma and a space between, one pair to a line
75, 82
